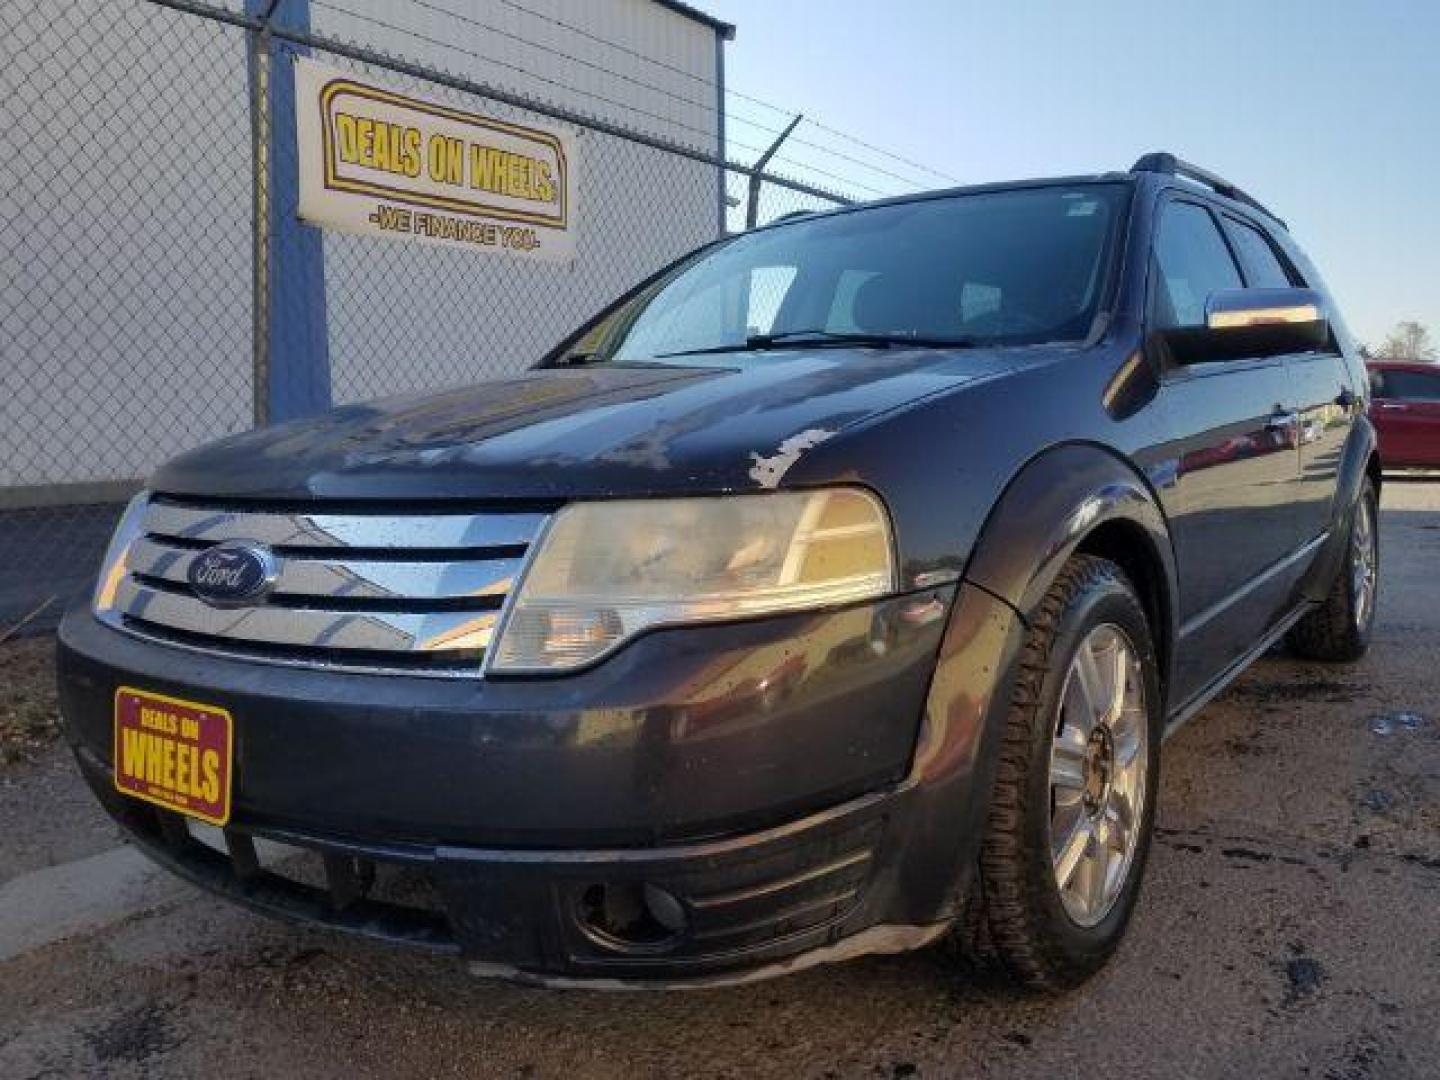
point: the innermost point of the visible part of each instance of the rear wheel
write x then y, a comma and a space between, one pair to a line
1339, 629
1073, 808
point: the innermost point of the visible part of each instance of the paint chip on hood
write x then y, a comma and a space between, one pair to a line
769, 471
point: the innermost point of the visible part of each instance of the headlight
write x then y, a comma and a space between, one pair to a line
606, 571
114, 566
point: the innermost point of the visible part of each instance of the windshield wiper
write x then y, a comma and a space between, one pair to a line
821, 338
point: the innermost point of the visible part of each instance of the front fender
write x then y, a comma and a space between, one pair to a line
1049, 508
1043, 515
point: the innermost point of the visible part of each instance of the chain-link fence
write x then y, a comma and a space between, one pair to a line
148, 192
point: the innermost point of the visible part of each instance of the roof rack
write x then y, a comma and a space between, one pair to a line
1169, 165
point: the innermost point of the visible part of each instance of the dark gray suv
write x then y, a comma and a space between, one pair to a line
829, 593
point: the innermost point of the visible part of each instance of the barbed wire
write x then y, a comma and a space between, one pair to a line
637, 54
795, 140
484, 58
857, 141
429, 5
592, 95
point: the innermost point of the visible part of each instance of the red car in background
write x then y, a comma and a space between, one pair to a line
1405, 409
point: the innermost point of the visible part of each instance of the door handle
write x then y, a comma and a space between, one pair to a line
1393, 406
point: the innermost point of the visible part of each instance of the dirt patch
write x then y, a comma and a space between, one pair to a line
135, 1034
1304, 976
1312, 688
29, 714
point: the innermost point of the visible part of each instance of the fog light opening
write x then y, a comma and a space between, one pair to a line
632, 915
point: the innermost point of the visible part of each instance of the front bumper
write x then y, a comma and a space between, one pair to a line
764, 775
755, 902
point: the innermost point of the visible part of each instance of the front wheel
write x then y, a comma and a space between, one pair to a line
1073, 807
1339, 629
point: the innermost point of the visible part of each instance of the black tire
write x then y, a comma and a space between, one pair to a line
1016, 914
1339, 630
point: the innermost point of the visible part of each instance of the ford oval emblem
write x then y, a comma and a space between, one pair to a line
236, 573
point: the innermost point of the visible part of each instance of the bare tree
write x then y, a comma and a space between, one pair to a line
1409, 340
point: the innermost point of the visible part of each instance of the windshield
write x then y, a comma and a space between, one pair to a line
1015, 267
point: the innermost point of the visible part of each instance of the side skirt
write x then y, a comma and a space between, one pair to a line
1178, 718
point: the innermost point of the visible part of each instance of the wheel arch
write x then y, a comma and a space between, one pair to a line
1079, 497
1359, 461
1074, 497
1132, 548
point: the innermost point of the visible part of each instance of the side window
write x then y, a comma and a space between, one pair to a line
1263, 268
1191, 262
1379, 386
1412, 385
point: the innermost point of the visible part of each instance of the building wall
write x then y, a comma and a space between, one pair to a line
124, 238
455, 316
126, 326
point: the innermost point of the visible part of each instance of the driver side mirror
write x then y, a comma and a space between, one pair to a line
1242, 323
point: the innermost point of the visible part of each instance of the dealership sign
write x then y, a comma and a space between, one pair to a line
381, 163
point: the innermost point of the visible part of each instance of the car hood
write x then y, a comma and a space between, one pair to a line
704, 424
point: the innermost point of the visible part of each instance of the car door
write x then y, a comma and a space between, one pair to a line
1407, 411
1234, 466
1320, 381
1385, 410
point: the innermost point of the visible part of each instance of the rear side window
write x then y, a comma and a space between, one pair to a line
1191, 262
1263, 268
1411, 385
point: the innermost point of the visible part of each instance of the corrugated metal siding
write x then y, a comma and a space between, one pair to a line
673, 98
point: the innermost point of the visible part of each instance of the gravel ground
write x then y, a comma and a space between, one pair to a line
1288, 928
28, 720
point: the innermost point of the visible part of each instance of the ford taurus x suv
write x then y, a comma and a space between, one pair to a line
830, 593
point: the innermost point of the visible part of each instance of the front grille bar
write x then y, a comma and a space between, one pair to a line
309, 628
404, 591
335, 575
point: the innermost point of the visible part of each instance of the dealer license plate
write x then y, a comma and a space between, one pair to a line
173, 753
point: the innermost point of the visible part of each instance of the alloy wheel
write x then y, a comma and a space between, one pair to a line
1098, 759
1364, 564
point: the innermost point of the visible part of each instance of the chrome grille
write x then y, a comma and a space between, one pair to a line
411, 591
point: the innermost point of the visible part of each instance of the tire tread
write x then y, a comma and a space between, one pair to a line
1005, 902
1328, 633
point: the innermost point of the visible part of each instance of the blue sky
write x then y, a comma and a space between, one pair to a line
1329, 112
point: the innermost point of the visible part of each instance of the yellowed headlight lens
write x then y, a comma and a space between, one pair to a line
606, 571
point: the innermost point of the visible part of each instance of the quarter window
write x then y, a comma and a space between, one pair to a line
1263, 267
1191, 262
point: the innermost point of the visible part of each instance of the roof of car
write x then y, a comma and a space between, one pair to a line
942, 193
1237, 203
